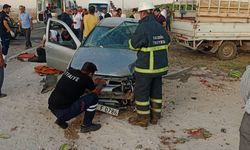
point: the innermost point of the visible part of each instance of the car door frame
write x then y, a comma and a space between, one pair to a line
51, 48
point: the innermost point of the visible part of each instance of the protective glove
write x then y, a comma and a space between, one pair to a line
12, 34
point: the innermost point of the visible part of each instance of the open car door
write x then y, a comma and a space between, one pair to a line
61, 44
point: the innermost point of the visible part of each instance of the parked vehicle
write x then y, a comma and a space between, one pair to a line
107, 47
100, 4
56, 7
214, 26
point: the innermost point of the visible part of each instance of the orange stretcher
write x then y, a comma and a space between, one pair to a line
45, 70
25, 56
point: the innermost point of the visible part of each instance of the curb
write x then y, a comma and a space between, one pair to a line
25, 51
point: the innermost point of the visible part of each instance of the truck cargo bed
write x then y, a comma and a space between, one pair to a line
193, 30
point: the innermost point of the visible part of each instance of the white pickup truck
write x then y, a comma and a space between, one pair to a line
100, 4
214, 26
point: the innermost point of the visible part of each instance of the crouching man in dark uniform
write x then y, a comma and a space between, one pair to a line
67, 102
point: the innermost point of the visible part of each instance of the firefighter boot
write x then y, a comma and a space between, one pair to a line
139, 120
154, 117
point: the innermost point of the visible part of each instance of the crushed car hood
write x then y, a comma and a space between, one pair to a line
109, 62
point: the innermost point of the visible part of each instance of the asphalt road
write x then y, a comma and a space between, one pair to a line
18, 45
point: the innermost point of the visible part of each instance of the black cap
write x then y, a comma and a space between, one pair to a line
89, 67
6, 6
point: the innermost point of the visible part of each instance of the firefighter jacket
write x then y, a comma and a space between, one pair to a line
151, 42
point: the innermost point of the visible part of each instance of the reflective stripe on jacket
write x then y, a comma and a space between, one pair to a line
151, 41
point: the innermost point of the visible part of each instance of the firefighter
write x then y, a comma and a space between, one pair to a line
151, 42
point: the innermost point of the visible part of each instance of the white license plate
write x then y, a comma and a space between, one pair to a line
108, 110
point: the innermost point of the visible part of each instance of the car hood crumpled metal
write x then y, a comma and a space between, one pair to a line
109, 62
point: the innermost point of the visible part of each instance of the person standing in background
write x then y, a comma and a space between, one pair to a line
5, 30
168, 19
47, 14
89, 21
119, 12
135, 14
164, 13
77, 23
65, 17
25, 25
114, 13
105, 13
160, 18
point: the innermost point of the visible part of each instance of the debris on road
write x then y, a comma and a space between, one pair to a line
67, 147
14, 128
139, 147
199, 133
212, 86
196, 133
181, 140
235, 74
4, 136
194, 98
165, 140
49, 84
183, 75
223, 130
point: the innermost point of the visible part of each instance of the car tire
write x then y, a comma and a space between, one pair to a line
227, 51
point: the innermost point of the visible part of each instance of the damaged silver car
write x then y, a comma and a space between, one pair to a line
107, 47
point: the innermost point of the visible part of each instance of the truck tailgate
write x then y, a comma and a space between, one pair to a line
183, 29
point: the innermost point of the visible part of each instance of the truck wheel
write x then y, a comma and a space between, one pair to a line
227, 51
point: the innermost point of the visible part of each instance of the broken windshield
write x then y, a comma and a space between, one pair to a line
109, 37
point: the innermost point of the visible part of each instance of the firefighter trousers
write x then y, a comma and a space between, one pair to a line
148, 95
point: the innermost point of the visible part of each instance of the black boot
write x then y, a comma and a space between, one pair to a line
3, 95
92, 127
88, 126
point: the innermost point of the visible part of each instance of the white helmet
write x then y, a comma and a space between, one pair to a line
146, 5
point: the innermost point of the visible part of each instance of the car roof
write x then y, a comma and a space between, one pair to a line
115, 21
